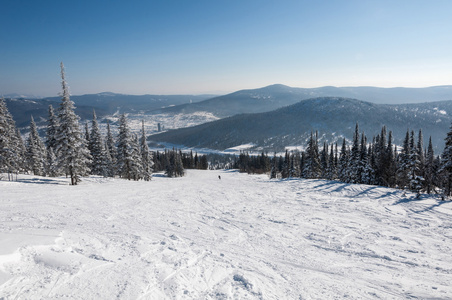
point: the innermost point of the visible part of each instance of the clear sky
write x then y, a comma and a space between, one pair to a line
220, 46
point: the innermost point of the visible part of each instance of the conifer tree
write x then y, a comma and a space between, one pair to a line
111, 151
36, 153
274, 169
146, 156
124, 164
446, 164
52, 126
11, 144
285, 172
429, 167
343, 163
97, 149
403, 163
415, 178
71, 147
137, 170
312, 167
355, 158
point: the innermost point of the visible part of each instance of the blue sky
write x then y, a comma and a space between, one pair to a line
216, 46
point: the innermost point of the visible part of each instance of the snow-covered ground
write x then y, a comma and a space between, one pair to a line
241, 237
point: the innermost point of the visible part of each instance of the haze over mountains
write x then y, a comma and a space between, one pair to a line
276, 115
333, 118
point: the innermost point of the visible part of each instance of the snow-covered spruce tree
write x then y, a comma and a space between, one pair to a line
421, 156
173, 164
274, 169
403, 163
51, 144
11, 151
97, 149
21, 159
415, 178
52, 126
137, 169
365, 169
354, 158
146, 156
331, 173
294, 170
111, 151
71, 147
446, 164
389, 176
179, 167
324, 160
35, 151
429, 168
343, 173
312, 167
286, 165
124, 155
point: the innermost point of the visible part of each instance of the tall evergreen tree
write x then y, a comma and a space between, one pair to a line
111, 150
71, 147
124, 164
146, 156
403, 163
312, 166
446, 164
429, 167
355, 158
11, 144
344, 163
97, 149
415, 178
52, 126
36, 153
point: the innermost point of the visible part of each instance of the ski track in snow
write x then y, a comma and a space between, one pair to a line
241, 237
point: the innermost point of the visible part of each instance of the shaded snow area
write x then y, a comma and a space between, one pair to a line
241, 237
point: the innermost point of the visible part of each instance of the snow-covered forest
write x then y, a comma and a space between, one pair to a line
67, 150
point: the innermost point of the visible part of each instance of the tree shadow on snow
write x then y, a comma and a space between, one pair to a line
44, 181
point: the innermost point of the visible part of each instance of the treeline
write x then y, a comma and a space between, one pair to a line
68, 151
374, 162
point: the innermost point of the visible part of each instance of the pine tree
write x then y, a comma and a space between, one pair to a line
344, 163
111, 151
354, 158
146, 156
285, 172
446, 164
274, 169
137, 169
97, 149
71, 147
52, 126
11, 151
403, 163
415, 178
312, 167
36, 153
124, 156
429, 167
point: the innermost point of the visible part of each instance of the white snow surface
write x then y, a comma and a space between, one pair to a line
238, 237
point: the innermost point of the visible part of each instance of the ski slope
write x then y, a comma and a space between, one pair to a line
241, 237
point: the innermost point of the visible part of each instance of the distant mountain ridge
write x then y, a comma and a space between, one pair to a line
105, 103
275, 96
333, 117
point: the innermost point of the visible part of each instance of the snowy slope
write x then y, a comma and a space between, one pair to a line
241, 237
